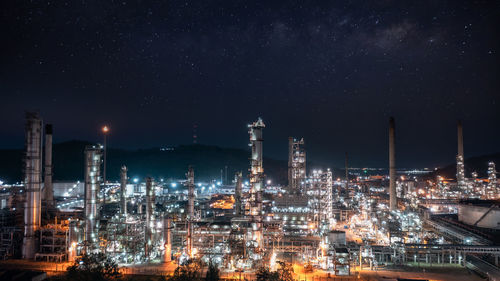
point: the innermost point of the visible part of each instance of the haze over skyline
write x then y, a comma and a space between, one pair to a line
332, 73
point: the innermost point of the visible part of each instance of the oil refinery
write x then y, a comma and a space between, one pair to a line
325, 223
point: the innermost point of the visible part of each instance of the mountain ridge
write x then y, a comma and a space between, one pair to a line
208, 161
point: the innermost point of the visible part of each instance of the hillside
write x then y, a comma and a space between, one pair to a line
207, 160
477, 164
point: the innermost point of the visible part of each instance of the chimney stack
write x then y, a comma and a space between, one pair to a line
33, 182
149, 216
393, 203
47, 186
460, 140
346, 176
190, 214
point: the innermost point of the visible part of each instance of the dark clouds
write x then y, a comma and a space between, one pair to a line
330, 71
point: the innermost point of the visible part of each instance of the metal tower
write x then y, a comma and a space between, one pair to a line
33, 179
256, 179
296, 165
237, 195
190, 213
492, 181
460, 157
123, 190
48, 191
93, 162
393, 200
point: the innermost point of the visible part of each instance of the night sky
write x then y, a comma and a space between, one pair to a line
331, 72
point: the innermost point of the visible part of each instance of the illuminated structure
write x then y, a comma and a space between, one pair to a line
123, 190
190, 211
346, 176
149, 217
319, 191
460, 158
393, 200
105, 131
237, 195
93, 161
48, 191
296, 165
492, 192
261, 225
167, 240
256, 179
33, 179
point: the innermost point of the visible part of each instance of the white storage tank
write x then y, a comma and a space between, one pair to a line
480, 213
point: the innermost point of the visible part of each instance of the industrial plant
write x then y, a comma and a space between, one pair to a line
324, 223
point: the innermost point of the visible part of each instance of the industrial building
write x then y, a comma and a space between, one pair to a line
317, 220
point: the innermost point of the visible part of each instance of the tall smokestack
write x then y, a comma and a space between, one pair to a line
346, 175
237, 195
393, 203
460, 138
33, 179
290, 163
93, 161
460, 156
149, 215
190, 215
47, 186
123, 190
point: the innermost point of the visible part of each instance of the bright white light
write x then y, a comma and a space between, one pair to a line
136, 180
173, 184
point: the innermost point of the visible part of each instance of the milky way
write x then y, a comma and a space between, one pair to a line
332, 73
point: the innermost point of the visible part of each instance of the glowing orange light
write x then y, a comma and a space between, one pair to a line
105, 129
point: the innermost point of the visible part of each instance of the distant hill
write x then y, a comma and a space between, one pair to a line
207, 161
477, 164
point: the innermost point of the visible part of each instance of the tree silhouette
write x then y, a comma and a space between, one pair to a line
187, 272
284, 273
265, 274
212, 272
93, 267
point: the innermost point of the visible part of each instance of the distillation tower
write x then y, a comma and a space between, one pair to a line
237, 195
296, 165
149, 217
33, 180
123, 190
460, 157
190, 215
256, 180
492, 192
320, 193
93, 161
